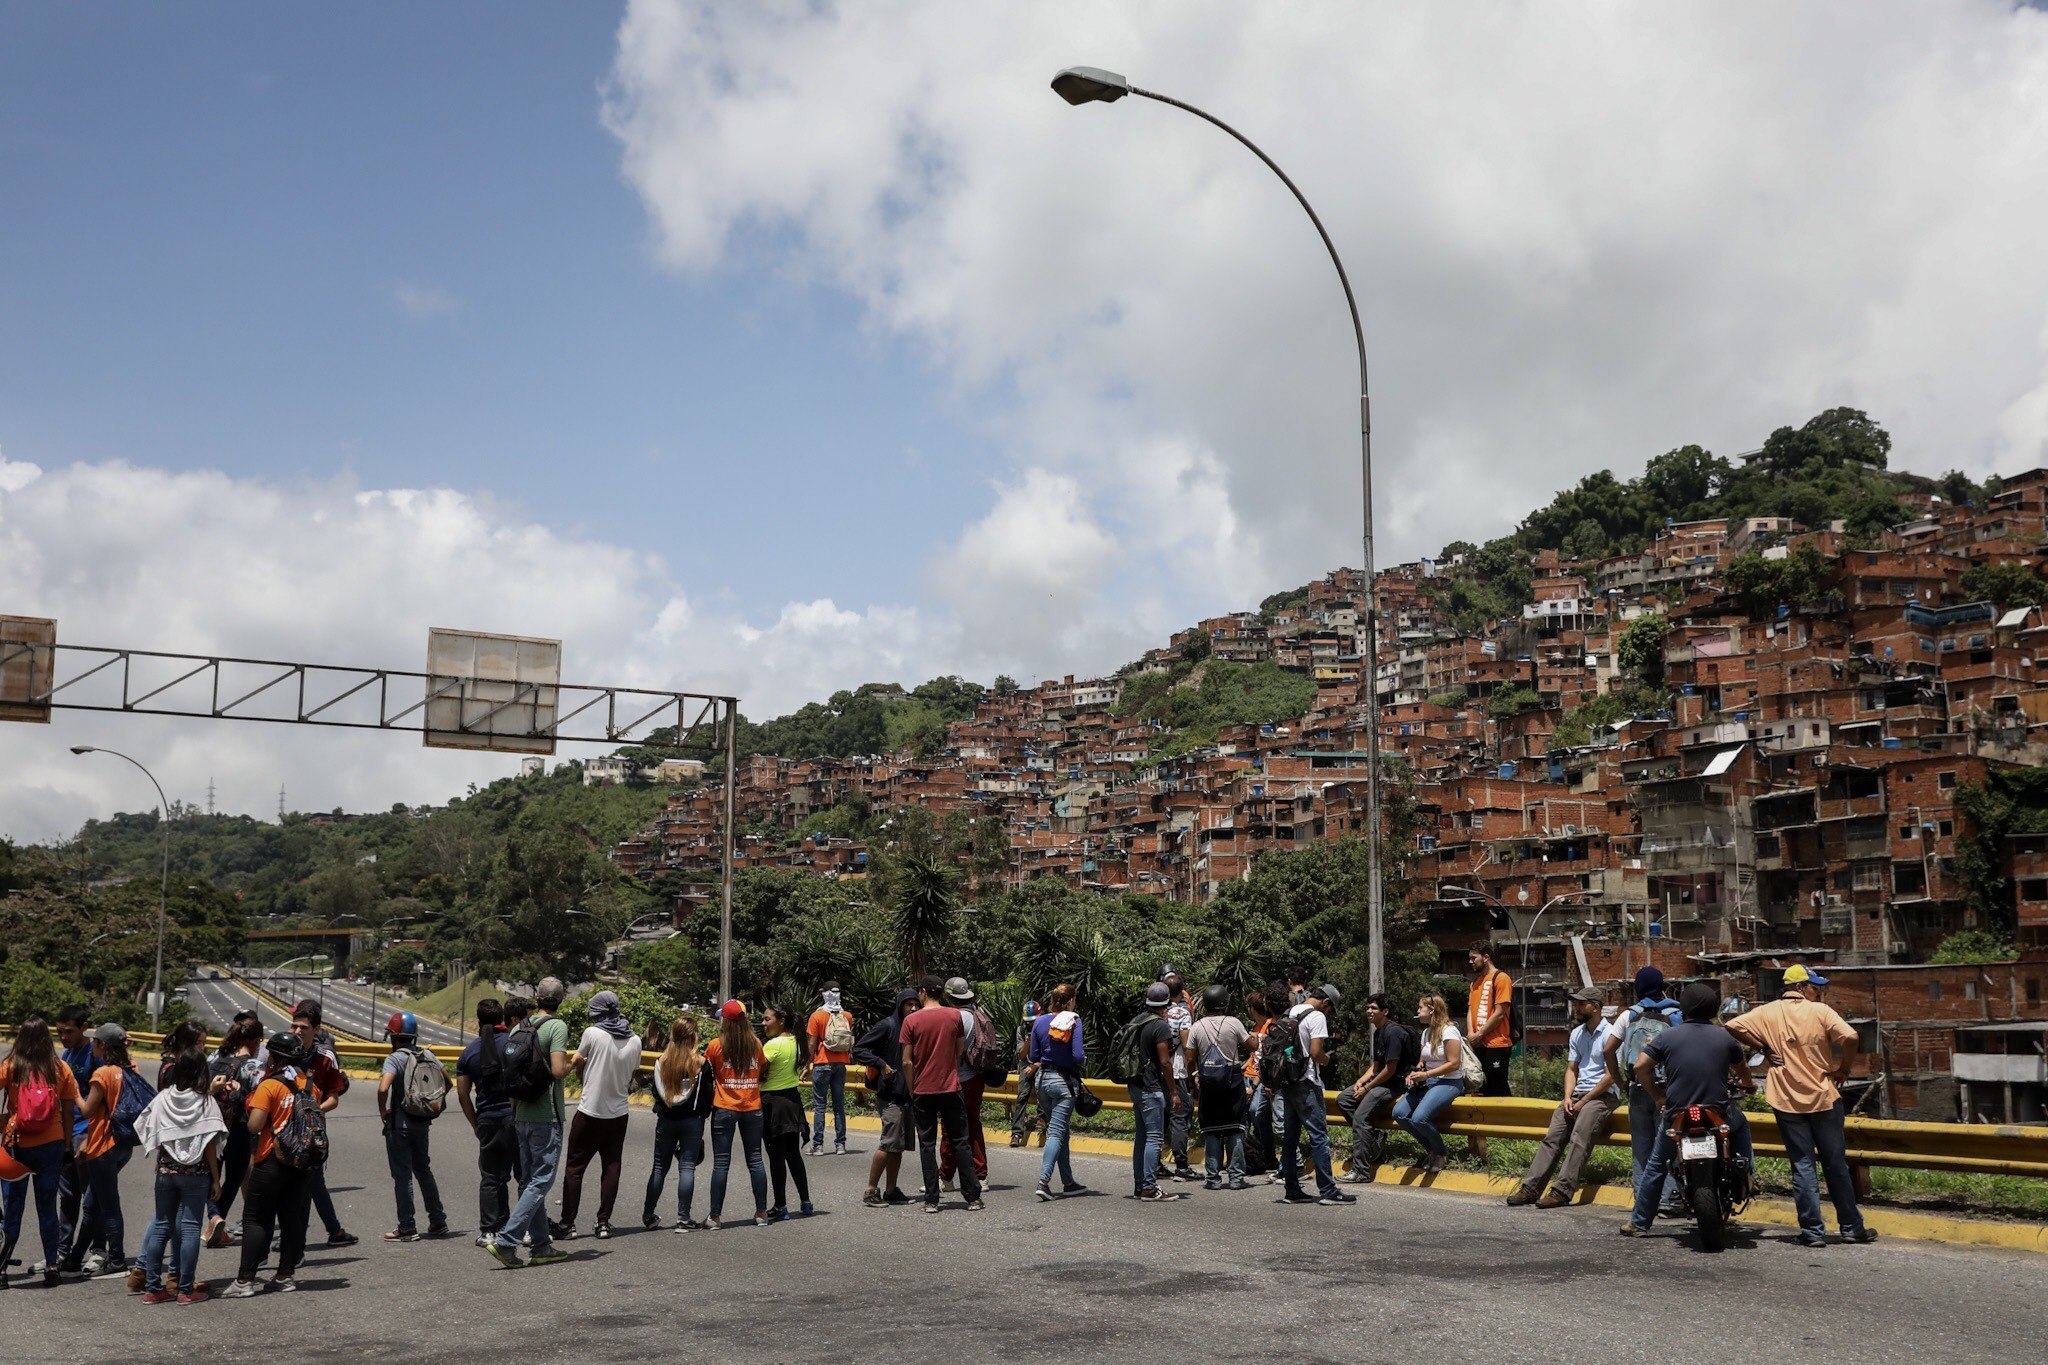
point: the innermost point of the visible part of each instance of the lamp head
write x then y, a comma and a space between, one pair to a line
1090, 84
83, 749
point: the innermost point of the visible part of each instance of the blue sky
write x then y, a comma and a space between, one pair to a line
212, 214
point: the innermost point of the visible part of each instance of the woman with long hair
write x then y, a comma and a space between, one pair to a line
183, 1129
42, 1102
734, 1059
1438, 1078
236, 1074
187, 1035
682, 1098
1055, 1053
101, 1159
782, 1110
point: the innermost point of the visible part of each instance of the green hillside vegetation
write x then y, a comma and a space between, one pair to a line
1196, 701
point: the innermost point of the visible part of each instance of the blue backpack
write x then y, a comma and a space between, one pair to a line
136, 1095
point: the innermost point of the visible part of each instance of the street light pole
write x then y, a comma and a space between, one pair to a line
1085, 84
163, 903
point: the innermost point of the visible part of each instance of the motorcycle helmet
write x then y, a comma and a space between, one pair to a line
403, 1024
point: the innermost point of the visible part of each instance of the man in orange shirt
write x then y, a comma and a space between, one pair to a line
101, 1158
1810, 1049
832, 1035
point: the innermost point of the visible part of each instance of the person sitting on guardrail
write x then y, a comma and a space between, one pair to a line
880, 1050
1580, 1119
412, 1090
1394, 1054
1681, 1067
332, 1082
1810, 1049
1438, 1078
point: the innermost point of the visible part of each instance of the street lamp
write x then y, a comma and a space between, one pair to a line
163, 904
1092, 85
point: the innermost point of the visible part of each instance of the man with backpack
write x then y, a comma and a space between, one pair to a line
832, 1037
1141, 1056
983, 1059
536, 1060
1580, 1120
412, 1090
480, 1089
1627, 1037
1293, 1053
934, 1039
332, 1082
1490, 1018
287, 1120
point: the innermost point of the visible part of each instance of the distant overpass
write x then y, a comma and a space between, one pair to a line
340, 944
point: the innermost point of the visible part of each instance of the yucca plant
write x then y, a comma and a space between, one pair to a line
923, 899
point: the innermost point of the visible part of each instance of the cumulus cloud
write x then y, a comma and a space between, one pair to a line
327, 572
1580, 234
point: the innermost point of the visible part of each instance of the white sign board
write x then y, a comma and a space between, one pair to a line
496, 692
25, 673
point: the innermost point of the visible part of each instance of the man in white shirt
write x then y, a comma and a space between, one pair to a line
1304, 1105
605, 1060
1590, 1097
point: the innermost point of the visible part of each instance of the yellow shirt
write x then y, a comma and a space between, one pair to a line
1800, 1033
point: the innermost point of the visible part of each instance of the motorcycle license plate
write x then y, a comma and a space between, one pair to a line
1696, 1148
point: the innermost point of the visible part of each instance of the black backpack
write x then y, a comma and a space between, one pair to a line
1282, 1061
1126, 1062
529, 1071
1515, 1019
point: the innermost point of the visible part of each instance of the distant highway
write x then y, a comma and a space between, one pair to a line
349, 1008
216, 1002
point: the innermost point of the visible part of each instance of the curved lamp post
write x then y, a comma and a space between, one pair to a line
156, 995
1092, 85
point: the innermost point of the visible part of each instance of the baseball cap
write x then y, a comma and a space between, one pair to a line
732, 1009
1327, 992
1799, 974
1589, 995
1156, 995
957, 987
1649, 982
110, 1032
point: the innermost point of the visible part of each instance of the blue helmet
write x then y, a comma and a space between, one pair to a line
403, 1024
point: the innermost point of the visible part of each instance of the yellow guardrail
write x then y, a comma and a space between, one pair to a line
1961, 1148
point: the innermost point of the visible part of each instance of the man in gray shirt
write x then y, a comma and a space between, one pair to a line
1216, 1048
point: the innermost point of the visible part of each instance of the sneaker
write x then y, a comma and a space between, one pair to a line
686, 1225
1434, 1166
215, 1233
1337, 1197
283, 1284
1807, 1239
895, 1196
712, 1224
549, 1257
1212, 1184
1017, 1139
1355, 1176
1186, 1173
242, 1289
52, 1278
976, 1205
402, 1235
761, 1220
604, 1231
805, 1210
188, 1297
778, 1214
562, 1232
947, 1183
1863, 1236
1043, 1194
839, 1148
436, 1231
1159, 1196
1553, 1200
88, 1267
1072, 1187
817, 1149
483, 1239
342, 1237
1239, 1184
1631, 1230
112, 1268
650, 1220
1297, 1197
871, 1200
1524, 1196
931, 1208
156, 1296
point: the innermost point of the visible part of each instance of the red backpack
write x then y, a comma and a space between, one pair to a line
35, 1100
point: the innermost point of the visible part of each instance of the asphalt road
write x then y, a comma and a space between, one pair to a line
350, 1009
1400, 1276
218, 1001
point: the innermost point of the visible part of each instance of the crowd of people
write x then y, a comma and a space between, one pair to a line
246, 1120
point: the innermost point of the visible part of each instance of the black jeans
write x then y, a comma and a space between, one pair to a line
407, 1153
605, 1141
276, 1199
497, 1158
947, 1109
1494, 1062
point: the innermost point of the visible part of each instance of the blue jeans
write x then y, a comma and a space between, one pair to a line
1148, 1108
1303, 1113
1260, 1121
828, 1080
540, 1149
180, 1202
45, 1163
678, 1138
102, 1177
1643, 1121
1223, 1155
1417, 1110
323, 1202
1056, 1094
1816, 1144
1664, 1161
724, 1123
406, 1152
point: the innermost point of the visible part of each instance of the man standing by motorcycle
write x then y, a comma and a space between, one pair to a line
1810, 1049
1696, 1058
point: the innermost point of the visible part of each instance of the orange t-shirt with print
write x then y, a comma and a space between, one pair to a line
731, 1088
99, 1129
1493, 992
1251, 1063
50, 1129
275, 1098
824, 1056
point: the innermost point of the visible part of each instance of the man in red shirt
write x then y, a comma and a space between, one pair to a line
933, 1036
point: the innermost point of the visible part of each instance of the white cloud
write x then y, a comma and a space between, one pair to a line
425, 302
1580, 234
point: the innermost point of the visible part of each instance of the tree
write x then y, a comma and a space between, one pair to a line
1640, 651
1681, 483
923, 901
1510, 701
1973, 945
1004, 685
1829, 440
541, 886
2006, 584
1195, 648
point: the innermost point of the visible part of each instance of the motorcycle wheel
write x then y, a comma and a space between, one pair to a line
1708, 1212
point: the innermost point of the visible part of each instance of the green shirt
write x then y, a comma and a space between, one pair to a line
779, 1073
549, 1108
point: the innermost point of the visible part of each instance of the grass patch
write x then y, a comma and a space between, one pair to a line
446, 1004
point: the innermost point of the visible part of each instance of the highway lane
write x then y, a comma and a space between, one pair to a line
1404, 1274
348, 1008
217, 1003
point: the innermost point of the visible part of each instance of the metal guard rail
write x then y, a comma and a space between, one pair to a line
1960, 1148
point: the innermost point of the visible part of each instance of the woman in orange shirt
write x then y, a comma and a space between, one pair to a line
42, 1103
101, 1158
734, 1058
278, 1196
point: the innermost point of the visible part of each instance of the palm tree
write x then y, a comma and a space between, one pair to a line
923, 898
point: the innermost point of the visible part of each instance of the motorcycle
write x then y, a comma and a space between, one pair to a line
1717, 1186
